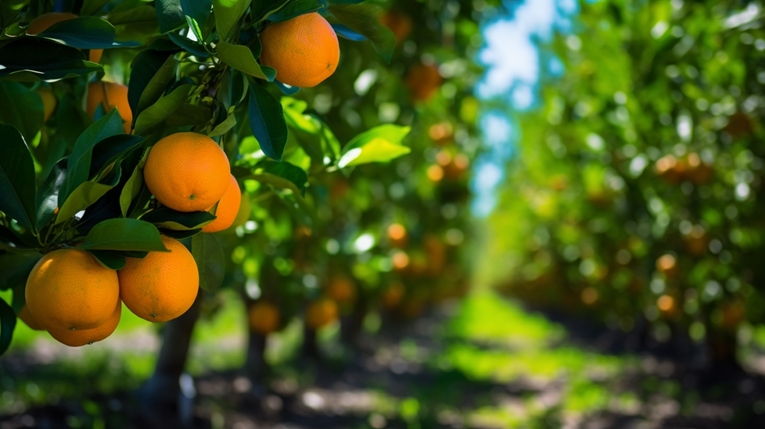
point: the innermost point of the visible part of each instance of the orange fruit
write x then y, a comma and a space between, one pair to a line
161, 286
111, 95
44, 21
397, 235
341, 289
667, 264
393, 295
400, 261
263, 317
423, 81
27, 318
49, 102
304, 50
89, 336
69, 289
321, 313
435, 173
228, 208
187, 172
399, 23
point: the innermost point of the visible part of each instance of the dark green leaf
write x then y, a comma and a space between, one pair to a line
211, 261
138, 23
267, 122
34, 58
164, 107
85, 195
171, 219
348, 33
285, 170
294, 9
189, 114
47, 193
17, 178
151, 72
15, 268
262, 9
364, 20
180, 234
110, 150
170, 15
78, 165
84, 32
199, 11
25, 112
108, 259
124, 234
7, 324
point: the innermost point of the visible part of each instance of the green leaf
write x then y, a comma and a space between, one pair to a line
133, 186
198, 11
84, 32
267, 122
15, 268
224, 126
211, 261
89, 7
170, 15
47, 193
284, 170
240, 57
137, 23
227, 15
124, 234
7, 324
164, 107
380, 144
264, 8
85, 195
108, 259
151, 72
180, 234
178, 221
78, 165
25, 112
17, 178
189, 114
364, 19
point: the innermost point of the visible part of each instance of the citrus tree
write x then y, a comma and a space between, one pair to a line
635, 194
116, 162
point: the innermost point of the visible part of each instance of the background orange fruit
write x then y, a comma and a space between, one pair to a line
69, 289
27, 318
187, 172
341, 289
49, 102
397, 235
228, 208
44, 21
399, 23
321, 313
423, 81
263, 317
89, 336
111, 95
304, 50
161, 286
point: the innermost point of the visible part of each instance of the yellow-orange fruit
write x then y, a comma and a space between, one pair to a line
69, 289
49, 102
397, 235
89, 336
399, 23
263, 317
161, 286
667, 264
321, 313
111, 95
27, 318
341, 289
227, 210
304, 51
393, 295
187, 172
423, 81
44, 21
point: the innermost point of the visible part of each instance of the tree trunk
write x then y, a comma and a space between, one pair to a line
255, 365
169, 393
352, 324
310, 346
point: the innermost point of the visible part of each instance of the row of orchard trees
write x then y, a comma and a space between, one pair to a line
635, 195
327, 226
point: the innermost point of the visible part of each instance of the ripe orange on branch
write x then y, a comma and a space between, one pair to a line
162, 286
111, 95
89, 336
304, 51
27, 318
227, 210
44, 21
263, 317
69, 289
187, 172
